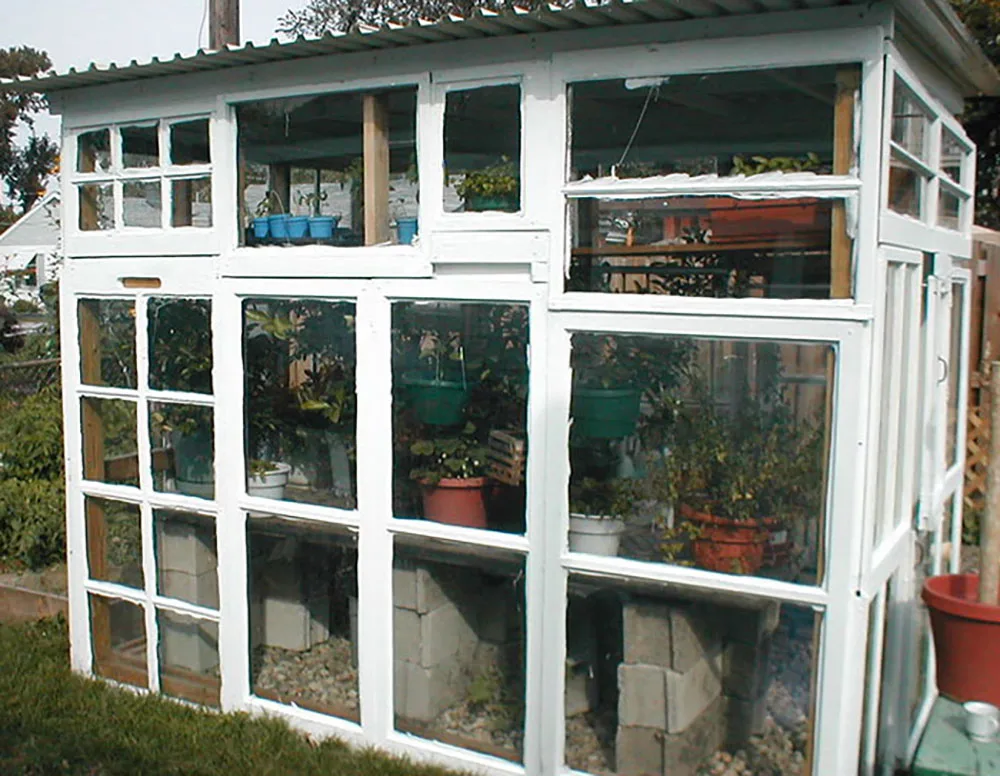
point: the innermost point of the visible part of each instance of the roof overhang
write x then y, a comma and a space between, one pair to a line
935, 22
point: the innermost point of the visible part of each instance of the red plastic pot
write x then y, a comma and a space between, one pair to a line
456, 501
732, 546
966, 638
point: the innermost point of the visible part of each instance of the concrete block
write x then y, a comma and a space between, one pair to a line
423, 693
685, 752
189, 644
746, 668
406, 635
423, 588
646, 636
744, 719
642, 700
581, 689
693, 634
293, 618
444, 633
691, 692
639, 752
750, 625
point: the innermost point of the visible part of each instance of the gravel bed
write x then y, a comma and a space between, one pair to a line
494, 724
320, 676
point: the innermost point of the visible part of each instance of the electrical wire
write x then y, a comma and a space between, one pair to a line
635, 131
201, 27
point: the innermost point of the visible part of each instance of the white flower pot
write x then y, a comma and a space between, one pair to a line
270, 484
200, 489
595, 534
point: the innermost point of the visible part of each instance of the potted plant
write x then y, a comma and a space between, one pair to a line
183, 430
320, 226
277, 219
740, 475
597, 515
451, 473
267, 479
261, 229
494, 187
439, 387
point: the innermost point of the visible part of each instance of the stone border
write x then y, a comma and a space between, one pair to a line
19, 604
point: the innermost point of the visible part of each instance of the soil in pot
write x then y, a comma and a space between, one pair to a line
604, 413
966, 635
730, 546
595, 534
456, 501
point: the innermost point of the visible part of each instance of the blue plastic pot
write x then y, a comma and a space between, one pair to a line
260, 230
406, 229
321, 227
278, 225
298, 227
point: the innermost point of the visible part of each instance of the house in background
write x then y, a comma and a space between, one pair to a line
29, 249
537, 393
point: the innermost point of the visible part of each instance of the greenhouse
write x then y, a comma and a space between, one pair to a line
538, 392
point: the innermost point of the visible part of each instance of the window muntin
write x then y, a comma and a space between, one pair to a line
706, 124
300, 403
701, 452
460, 393
303, 164
303, 593
661, 679
482, 149
146, 159
709, 246
459, 645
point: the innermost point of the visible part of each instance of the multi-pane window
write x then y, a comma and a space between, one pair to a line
714, 184
152, 175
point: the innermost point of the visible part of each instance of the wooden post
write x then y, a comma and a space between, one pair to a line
182, 213
224, 23
279, 182
376, 145
848, 80
989, 535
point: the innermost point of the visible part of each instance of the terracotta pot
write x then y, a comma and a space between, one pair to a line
731, 546
966, 635
456, 501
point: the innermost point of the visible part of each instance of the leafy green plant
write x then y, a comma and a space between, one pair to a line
758, 164
31, 439
460, 457
32, 521
498, 180
650, 364
312, 202
611, 498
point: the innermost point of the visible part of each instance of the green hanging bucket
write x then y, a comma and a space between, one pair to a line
605, 413
437, 402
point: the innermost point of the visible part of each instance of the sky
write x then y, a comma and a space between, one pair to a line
78, 32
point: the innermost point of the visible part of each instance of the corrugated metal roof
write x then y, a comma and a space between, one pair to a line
483, 24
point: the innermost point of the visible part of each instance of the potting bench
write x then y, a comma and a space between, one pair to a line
945, 749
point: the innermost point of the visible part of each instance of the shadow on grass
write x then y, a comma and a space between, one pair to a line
55, 722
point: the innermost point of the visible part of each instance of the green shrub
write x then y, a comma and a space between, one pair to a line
32, 521
22, 306
31, 444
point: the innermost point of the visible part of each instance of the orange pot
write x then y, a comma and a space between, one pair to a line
456, 501
732, 546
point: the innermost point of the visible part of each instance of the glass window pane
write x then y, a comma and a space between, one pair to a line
93, 151
956, 359
949, 210
180, 344
667, 681
142, 204
114, 542
697, 452
189, 657
300, 406
304, 614
906, 189
482, 149
141, 146
118, 636
735, 123
110, 446
191, 202
107, 342
953, 155
458, 645
189, 142
708, 246
97, 207
304, 157
186, 557
183, 453
460, 393
910, 120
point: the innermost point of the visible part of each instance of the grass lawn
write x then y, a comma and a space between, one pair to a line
54, 722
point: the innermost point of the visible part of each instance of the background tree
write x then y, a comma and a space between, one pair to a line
24, 170
321, 16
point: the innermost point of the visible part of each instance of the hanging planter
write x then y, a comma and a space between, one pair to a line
437, 402
605, 413
455, 501
966, 635
730, 546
